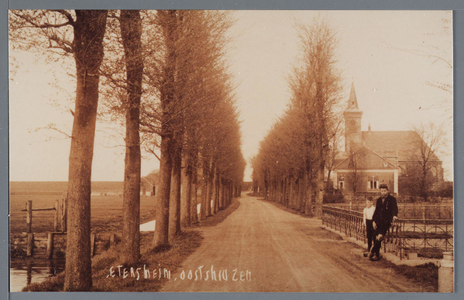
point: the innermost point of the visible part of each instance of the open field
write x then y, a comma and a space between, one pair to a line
106, 211
58, 187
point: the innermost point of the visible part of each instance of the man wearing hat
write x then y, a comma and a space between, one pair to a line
386, 212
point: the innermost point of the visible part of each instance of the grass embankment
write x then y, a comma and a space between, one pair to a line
426, 274
168, 259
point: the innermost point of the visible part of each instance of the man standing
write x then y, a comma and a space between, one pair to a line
386, 212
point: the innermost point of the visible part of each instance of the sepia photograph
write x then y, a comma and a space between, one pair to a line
231, 151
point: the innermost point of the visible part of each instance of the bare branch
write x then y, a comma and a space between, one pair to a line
53, 127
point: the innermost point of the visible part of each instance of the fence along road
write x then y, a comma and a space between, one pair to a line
282, 252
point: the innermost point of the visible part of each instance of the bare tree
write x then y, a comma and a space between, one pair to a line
356, 160
334, 142
168, 21
319, 42
295, 153
424, 166
85, 43
131, 31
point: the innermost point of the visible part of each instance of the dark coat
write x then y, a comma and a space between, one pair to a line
384, 212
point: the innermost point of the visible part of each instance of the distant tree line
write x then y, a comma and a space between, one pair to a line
292, 159
161, 75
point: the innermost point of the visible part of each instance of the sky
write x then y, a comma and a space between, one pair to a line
390, 56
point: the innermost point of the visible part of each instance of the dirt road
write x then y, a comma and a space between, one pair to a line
262, 248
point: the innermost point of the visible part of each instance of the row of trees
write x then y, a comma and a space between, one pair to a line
292, 158
162, 76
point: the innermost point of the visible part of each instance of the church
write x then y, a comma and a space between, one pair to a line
371, 158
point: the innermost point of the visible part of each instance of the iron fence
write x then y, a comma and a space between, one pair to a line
426, 237
408, 211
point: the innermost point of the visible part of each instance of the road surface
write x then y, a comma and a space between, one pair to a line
262, 248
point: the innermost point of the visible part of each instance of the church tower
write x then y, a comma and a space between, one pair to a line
353, 115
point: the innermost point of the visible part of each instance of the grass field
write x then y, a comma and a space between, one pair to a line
61, 186
106, 211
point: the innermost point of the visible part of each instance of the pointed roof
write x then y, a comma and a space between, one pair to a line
352, 101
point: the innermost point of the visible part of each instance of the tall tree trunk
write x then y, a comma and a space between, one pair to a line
169, 22
174, 200
266, 184
231, 191
215, 191
301, 192
423, 184
89, 29
194, 202
221, 193
329, 184
178, 119
161, 235
131, 31
186, 195
292, 191
226, 193
286, 193
209, 189
309, 193
282, 191
203, 196
320, 190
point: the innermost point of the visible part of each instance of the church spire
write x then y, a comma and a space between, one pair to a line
353, 101
353, 115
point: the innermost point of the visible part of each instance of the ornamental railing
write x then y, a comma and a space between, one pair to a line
408, 211
426, 238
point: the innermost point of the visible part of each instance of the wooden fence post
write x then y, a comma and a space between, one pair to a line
50, 241
29, 216
63, 214
29, 271
92, 243
55, 222
30, 243
112, 240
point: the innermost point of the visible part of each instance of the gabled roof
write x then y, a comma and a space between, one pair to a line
341, 156
389, 143
365, 159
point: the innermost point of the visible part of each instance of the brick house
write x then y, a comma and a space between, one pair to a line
374, 157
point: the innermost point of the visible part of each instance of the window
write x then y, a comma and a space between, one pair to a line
373, 183
341, 182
